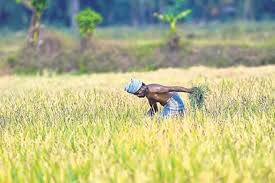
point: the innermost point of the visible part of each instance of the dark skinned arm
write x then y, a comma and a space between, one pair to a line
156, 88
153, 108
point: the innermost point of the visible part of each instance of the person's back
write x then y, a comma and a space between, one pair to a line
167, 96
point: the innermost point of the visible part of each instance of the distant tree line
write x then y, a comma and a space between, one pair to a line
136, 12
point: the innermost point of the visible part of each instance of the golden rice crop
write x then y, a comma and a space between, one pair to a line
87, 129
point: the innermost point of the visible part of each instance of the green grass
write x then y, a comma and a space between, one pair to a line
251, 34
87, 129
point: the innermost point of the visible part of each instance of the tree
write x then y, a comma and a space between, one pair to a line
74, 11
87, 21
37, 7
172, 17
248, 9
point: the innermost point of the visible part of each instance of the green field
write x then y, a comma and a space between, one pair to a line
87, 129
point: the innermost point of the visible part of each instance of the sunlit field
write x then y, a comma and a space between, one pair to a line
87, 129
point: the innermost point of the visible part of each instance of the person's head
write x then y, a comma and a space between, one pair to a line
136, 87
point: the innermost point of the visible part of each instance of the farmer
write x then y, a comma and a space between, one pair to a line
167, 96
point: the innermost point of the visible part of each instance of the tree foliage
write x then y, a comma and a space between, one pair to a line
173, 19
135, 12
36, 5
172, 16
87, 21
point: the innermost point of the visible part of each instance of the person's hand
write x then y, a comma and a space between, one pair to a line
194, 89
151, 113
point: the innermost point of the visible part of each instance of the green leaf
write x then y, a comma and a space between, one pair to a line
39, 5
183, 14
164, 18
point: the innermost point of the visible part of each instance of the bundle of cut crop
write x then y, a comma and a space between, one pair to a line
198, 96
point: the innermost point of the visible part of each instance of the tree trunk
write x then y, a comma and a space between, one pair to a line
74, 12
174, 42
34, 30
134, 12
248, 10
157, 6
86, 42
141, 11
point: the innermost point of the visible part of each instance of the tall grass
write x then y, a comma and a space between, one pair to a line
87, 129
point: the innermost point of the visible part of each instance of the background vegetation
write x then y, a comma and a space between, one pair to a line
137, 12
124, 49
120, 36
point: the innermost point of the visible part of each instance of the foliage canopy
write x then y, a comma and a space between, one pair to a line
87, 21
37, 5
